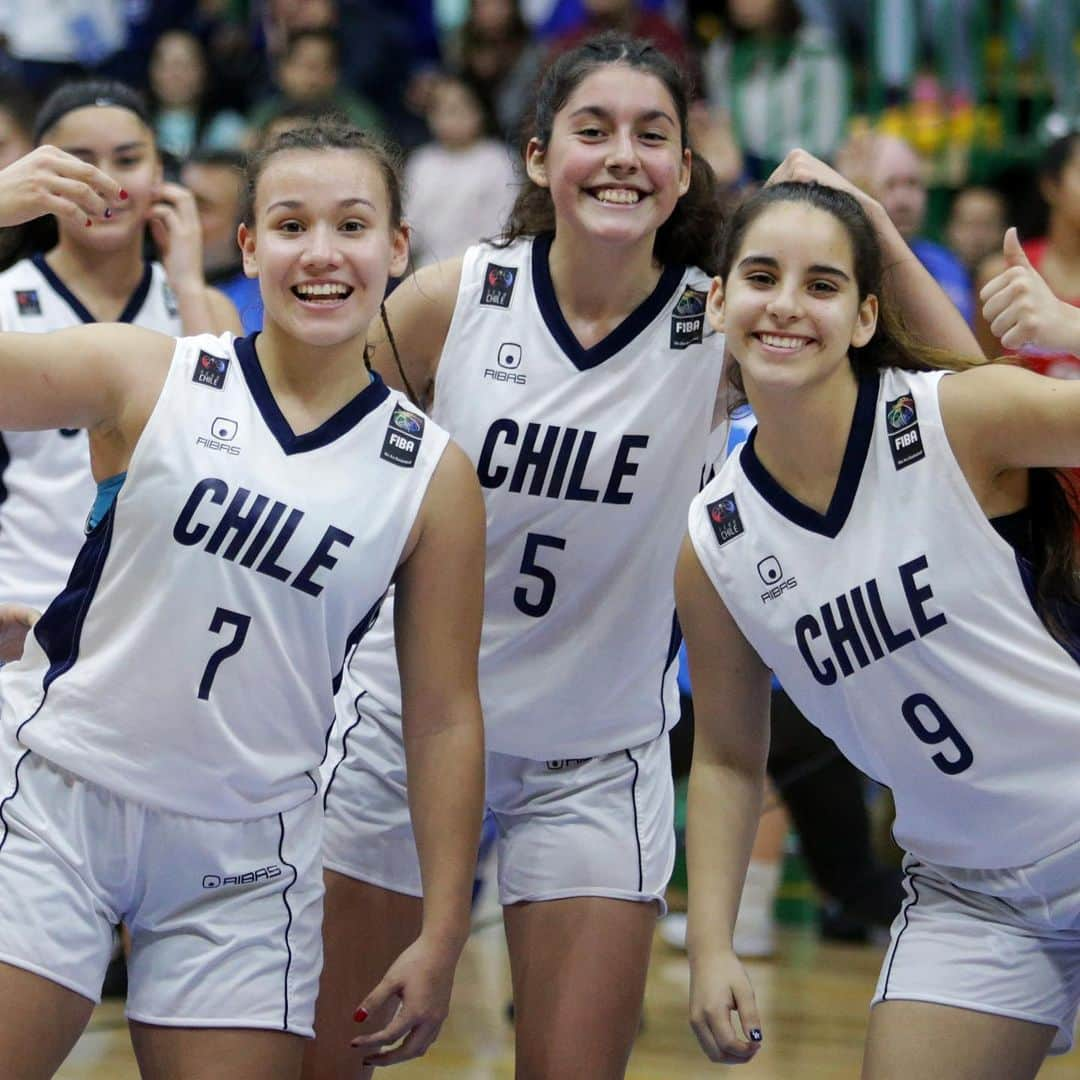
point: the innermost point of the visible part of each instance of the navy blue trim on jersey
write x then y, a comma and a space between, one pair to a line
344, 746
131, 308
621, 336
356, 635
637, 834
847, 483
5, 461
59, 630
674, 644
342, 422
8, 798
288, 924
909, 904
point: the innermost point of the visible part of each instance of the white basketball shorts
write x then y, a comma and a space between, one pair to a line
997, 941
600, 826
225, 916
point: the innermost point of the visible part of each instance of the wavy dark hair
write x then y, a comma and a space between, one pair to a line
690, 236
1053, 505
42, 234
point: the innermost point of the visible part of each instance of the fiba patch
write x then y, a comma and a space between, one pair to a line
688, 318
403, 436
902, 425
498, 287
28, 301
724, 518
211, 370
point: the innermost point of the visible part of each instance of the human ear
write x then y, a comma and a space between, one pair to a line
865, 322
536, 163
399, 249
245, 237
714, 306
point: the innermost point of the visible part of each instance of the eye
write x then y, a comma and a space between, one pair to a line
290, 226
127, 161
654, 136
761, 278
590, 132
823, 288
353, 226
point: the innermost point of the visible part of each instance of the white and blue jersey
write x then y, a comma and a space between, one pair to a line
588, 459
901, 622
45, 484
191, 660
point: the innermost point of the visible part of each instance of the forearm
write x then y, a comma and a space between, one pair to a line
195, 307
926, 309
723, 809
446, 800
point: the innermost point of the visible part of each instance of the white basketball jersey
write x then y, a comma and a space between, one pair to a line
46, 489
901, 623
190, 662
588, 459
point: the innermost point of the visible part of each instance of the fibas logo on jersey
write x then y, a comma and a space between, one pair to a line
772, 575
509, 361
498, 288
688, 318
404, 434
27, 301
211, 370
724, 516
905, 442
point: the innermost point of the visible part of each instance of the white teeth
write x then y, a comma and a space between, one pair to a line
625, 196
328, 289
778, 342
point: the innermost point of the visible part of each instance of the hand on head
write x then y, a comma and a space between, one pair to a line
50, 181
1022, 312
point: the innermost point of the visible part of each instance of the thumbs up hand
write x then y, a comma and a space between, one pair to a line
1022, 312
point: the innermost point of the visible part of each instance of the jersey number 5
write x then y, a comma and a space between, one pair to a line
541, 605
240, 623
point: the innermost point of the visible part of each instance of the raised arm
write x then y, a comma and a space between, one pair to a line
419, 311
928, 312
731, 744
437, 613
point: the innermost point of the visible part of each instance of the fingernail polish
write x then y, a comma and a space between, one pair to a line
360, 1015
108, 211
123, 194
88, 223
755, 1034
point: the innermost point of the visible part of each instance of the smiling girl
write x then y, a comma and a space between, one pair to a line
891, 543
162, 733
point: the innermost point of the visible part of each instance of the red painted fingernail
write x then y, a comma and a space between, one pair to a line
123, 194
360, 1015
88, 223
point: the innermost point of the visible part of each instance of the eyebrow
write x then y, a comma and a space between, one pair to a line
816, 268
296, 204
123, 148
645, 117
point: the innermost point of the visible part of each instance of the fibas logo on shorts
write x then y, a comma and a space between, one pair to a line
498, 288
688, 318
210, 370
724, 518
905, 442
404, 434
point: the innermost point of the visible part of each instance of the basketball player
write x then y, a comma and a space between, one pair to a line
81, 269
162, 733
890, 543
573, 363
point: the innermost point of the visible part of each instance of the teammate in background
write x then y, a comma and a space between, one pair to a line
573, 364
84, 269
925, 613
179, 792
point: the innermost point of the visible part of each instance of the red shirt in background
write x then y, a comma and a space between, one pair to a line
1060, 365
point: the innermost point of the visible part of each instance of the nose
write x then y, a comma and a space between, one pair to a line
321, 248
785, 304
621, 152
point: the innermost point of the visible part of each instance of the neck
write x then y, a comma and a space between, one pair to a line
110, 275
599, 281
803, 434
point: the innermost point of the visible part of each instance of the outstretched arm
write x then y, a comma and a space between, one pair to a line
731, 744
437, 607
928, 312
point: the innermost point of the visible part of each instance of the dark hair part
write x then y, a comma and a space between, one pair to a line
1053, 503
691, 234
42, 233
78, 95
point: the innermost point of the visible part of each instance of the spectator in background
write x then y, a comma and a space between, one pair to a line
977, 221
780, 81
460, 186
309, 73
216, 179
887, 168
1056, 256
179, 90
287, 117
16, 122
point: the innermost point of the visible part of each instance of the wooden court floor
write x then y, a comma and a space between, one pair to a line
813, 998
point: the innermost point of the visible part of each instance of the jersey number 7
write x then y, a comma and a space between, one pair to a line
240, 623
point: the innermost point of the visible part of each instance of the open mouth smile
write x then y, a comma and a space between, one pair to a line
611, 196
787, 343
322, 293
